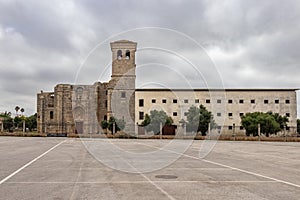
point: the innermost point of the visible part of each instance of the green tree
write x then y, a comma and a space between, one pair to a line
152, 122
282, 120
18, 120
17, 108
119, 124
298, 125
31, 122
146, 121
267, 121
104, 124
7, 120
199, 119
22, 111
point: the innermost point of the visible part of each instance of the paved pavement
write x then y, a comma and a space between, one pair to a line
66, 168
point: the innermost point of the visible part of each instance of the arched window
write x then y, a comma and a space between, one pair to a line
119, 54
127, 55
79, 90
51, 115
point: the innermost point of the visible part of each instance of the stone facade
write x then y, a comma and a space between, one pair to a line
81, 108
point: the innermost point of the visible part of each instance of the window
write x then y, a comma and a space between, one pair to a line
207, 101
219, 114
105, 117
51, 115
230, 101
123, 94
164, 101
266, 101
287, 128
219, 127
119, 54
127, 55
287, 101
186, 101
174, 114
241, 128
230, 127
229, 114
141, 115
79, 90
219, 101
241, 114
174, 100
252, 101
241, 101
277, 101
141, 102
153, 100
197, 101
106, 92
287, 114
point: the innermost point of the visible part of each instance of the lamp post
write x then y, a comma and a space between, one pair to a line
258, 127
233, 131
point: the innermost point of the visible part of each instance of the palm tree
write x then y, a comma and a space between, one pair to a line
17, 108
22, 111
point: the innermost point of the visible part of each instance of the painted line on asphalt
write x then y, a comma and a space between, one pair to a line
29, 163
233, 168
149, 180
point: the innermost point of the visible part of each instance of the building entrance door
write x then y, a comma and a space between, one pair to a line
79, 127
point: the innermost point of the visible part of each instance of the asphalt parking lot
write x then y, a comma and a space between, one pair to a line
67, 168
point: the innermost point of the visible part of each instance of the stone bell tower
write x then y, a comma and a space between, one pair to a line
121, 90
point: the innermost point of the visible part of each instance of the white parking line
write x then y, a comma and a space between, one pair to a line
230, 167
29, 163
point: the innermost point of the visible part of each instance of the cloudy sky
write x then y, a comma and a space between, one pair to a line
239, 44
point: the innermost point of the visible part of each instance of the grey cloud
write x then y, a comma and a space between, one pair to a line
42, 43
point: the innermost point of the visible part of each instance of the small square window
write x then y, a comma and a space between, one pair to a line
219, 101
241, 128
153, 100
174, 114
123, 94
164, 101
174, 100
277, 101
229, 114
186, 101
287, 101
207, 101
241, 101
219, 114
230, 127
287, 114
197, 101
230, 101
241, 114
141, 102
266, 101
287, 128
141, 115
252, 101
